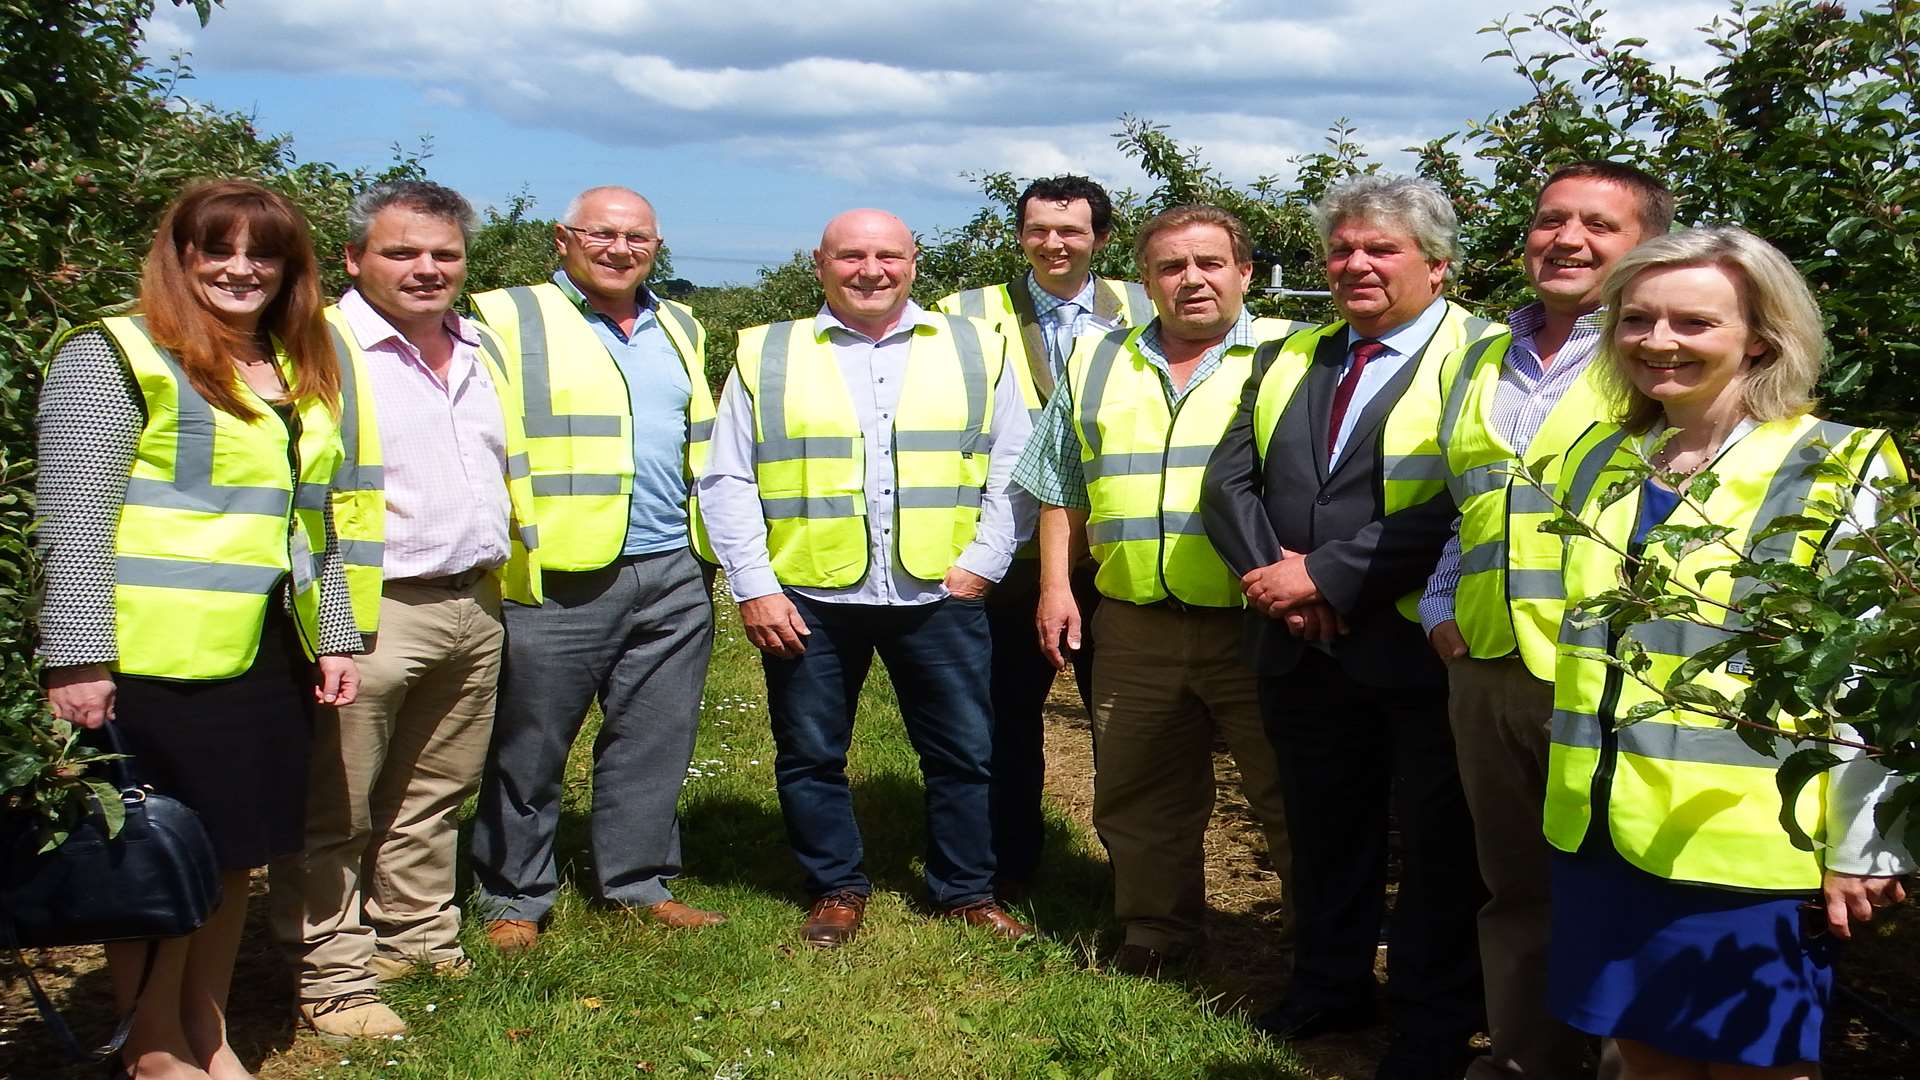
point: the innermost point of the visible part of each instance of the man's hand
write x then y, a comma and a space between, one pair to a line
336, 681
965, 584
1447, 642
774, 625
1279, 587
81, 695
1314, 622
1848, 896
1058, 621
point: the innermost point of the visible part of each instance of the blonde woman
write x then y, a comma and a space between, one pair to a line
1686, 926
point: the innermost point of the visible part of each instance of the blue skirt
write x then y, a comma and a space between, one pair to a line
1700, 972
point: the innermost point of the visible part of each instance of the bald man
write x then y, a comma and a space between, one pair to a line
618, 412
858, 499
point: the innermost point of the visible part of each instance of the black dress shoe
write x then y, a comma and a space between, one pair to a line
1140, 961
1425, 1059
1297, 1022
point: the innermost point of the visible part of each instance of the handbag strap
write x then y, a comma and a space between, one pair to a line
64, 1033
120, 769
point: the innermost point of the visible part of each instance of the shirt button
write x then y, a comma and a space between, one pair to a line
886, 491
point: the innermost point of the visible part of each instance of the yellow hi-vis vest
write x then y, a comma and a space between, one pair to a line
1411, 470
359, 491
579, 421
1508, 595
810, 453
215, 515
1683, 797
1008, 310
1143, 464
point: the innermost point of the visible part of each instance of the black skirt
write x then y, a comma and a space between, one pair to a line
235, 750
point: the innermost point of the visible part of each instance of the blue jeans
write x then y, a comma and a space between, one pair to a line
937, 656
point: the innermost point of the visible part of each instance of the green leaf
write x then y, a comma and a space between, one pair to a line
696, 1055
112, 809
1796, 771
1886, 813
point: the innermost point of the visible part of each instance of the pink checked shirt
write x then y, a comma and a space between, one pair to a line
443, 447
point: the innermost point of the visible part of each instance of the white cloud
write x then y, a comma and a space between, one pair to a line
913, 91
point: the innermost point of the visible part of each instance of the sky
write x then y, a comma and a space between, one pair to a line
749, 123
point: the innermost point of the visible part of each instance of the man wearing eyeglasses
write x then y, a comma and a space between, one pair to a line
618, 418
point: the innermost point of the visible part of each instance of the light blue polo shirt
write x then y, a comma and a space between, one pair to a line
657, 394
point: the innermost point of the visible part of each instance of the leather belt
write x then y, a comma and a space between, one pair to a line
466, 579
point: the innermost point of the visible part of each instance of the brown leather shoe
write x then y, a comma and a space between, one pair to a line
834, 919
513, 935
679, 916
989, 915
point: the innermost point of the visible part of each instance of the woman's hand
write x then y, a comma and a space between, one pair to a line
81, 695
337, 681
1851, 896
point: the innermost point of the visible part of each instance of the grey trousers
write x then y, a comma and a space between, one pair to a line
637, 636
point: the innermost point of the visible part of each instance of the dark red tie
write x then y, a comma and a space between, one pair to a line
1363, 351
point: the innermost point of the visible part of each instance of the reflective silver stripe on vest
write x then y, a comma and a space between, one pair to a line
1412, 468
1536, 585
1576, 729
1481, 558
936, 498
831, 506
973, 303
1146, 464
1677, 637
310, 496
1524, 498
536, 385
1188, 457
1183, 523
1116, 530
1099, 370
1788, 492
577, 484
964, 442
1591, 466
1583, 637
700, 430
193, 487
1462, 379
529, 536
770, 399
1669, 742
353, 474
363, 552
688, 328
1479, 480
517, 466
193, 574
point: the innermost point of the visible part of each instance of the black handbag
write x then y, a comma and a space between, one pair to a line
158, 877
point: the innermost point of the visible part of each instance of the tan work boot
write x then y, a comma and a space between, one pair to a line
358, 1015
513, 935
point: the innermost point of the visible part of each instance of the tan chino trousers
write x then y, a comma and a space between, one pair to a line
389, 772
1165, 682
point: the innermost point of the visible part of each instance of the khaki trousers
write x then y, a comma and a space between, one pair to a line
389, 773
1501, 716
1165, 683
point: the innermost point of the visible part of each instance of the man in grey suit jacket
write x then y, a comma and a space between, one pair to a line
1327, 496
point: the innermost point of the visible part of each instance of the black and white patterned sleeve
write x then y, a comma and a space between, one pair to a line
89, 429
339, 633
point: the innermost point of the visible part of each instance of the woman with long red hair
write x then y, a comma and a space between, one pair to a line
195, 597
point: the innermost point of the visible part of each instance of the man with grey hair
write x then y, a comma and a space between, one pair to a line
436, 526
619, 416
1328, 499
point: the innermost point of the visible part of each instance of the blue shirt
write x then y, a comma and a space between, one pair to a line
657, 394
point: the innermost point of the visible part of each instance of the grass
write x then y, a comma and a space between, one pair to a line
608, 995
